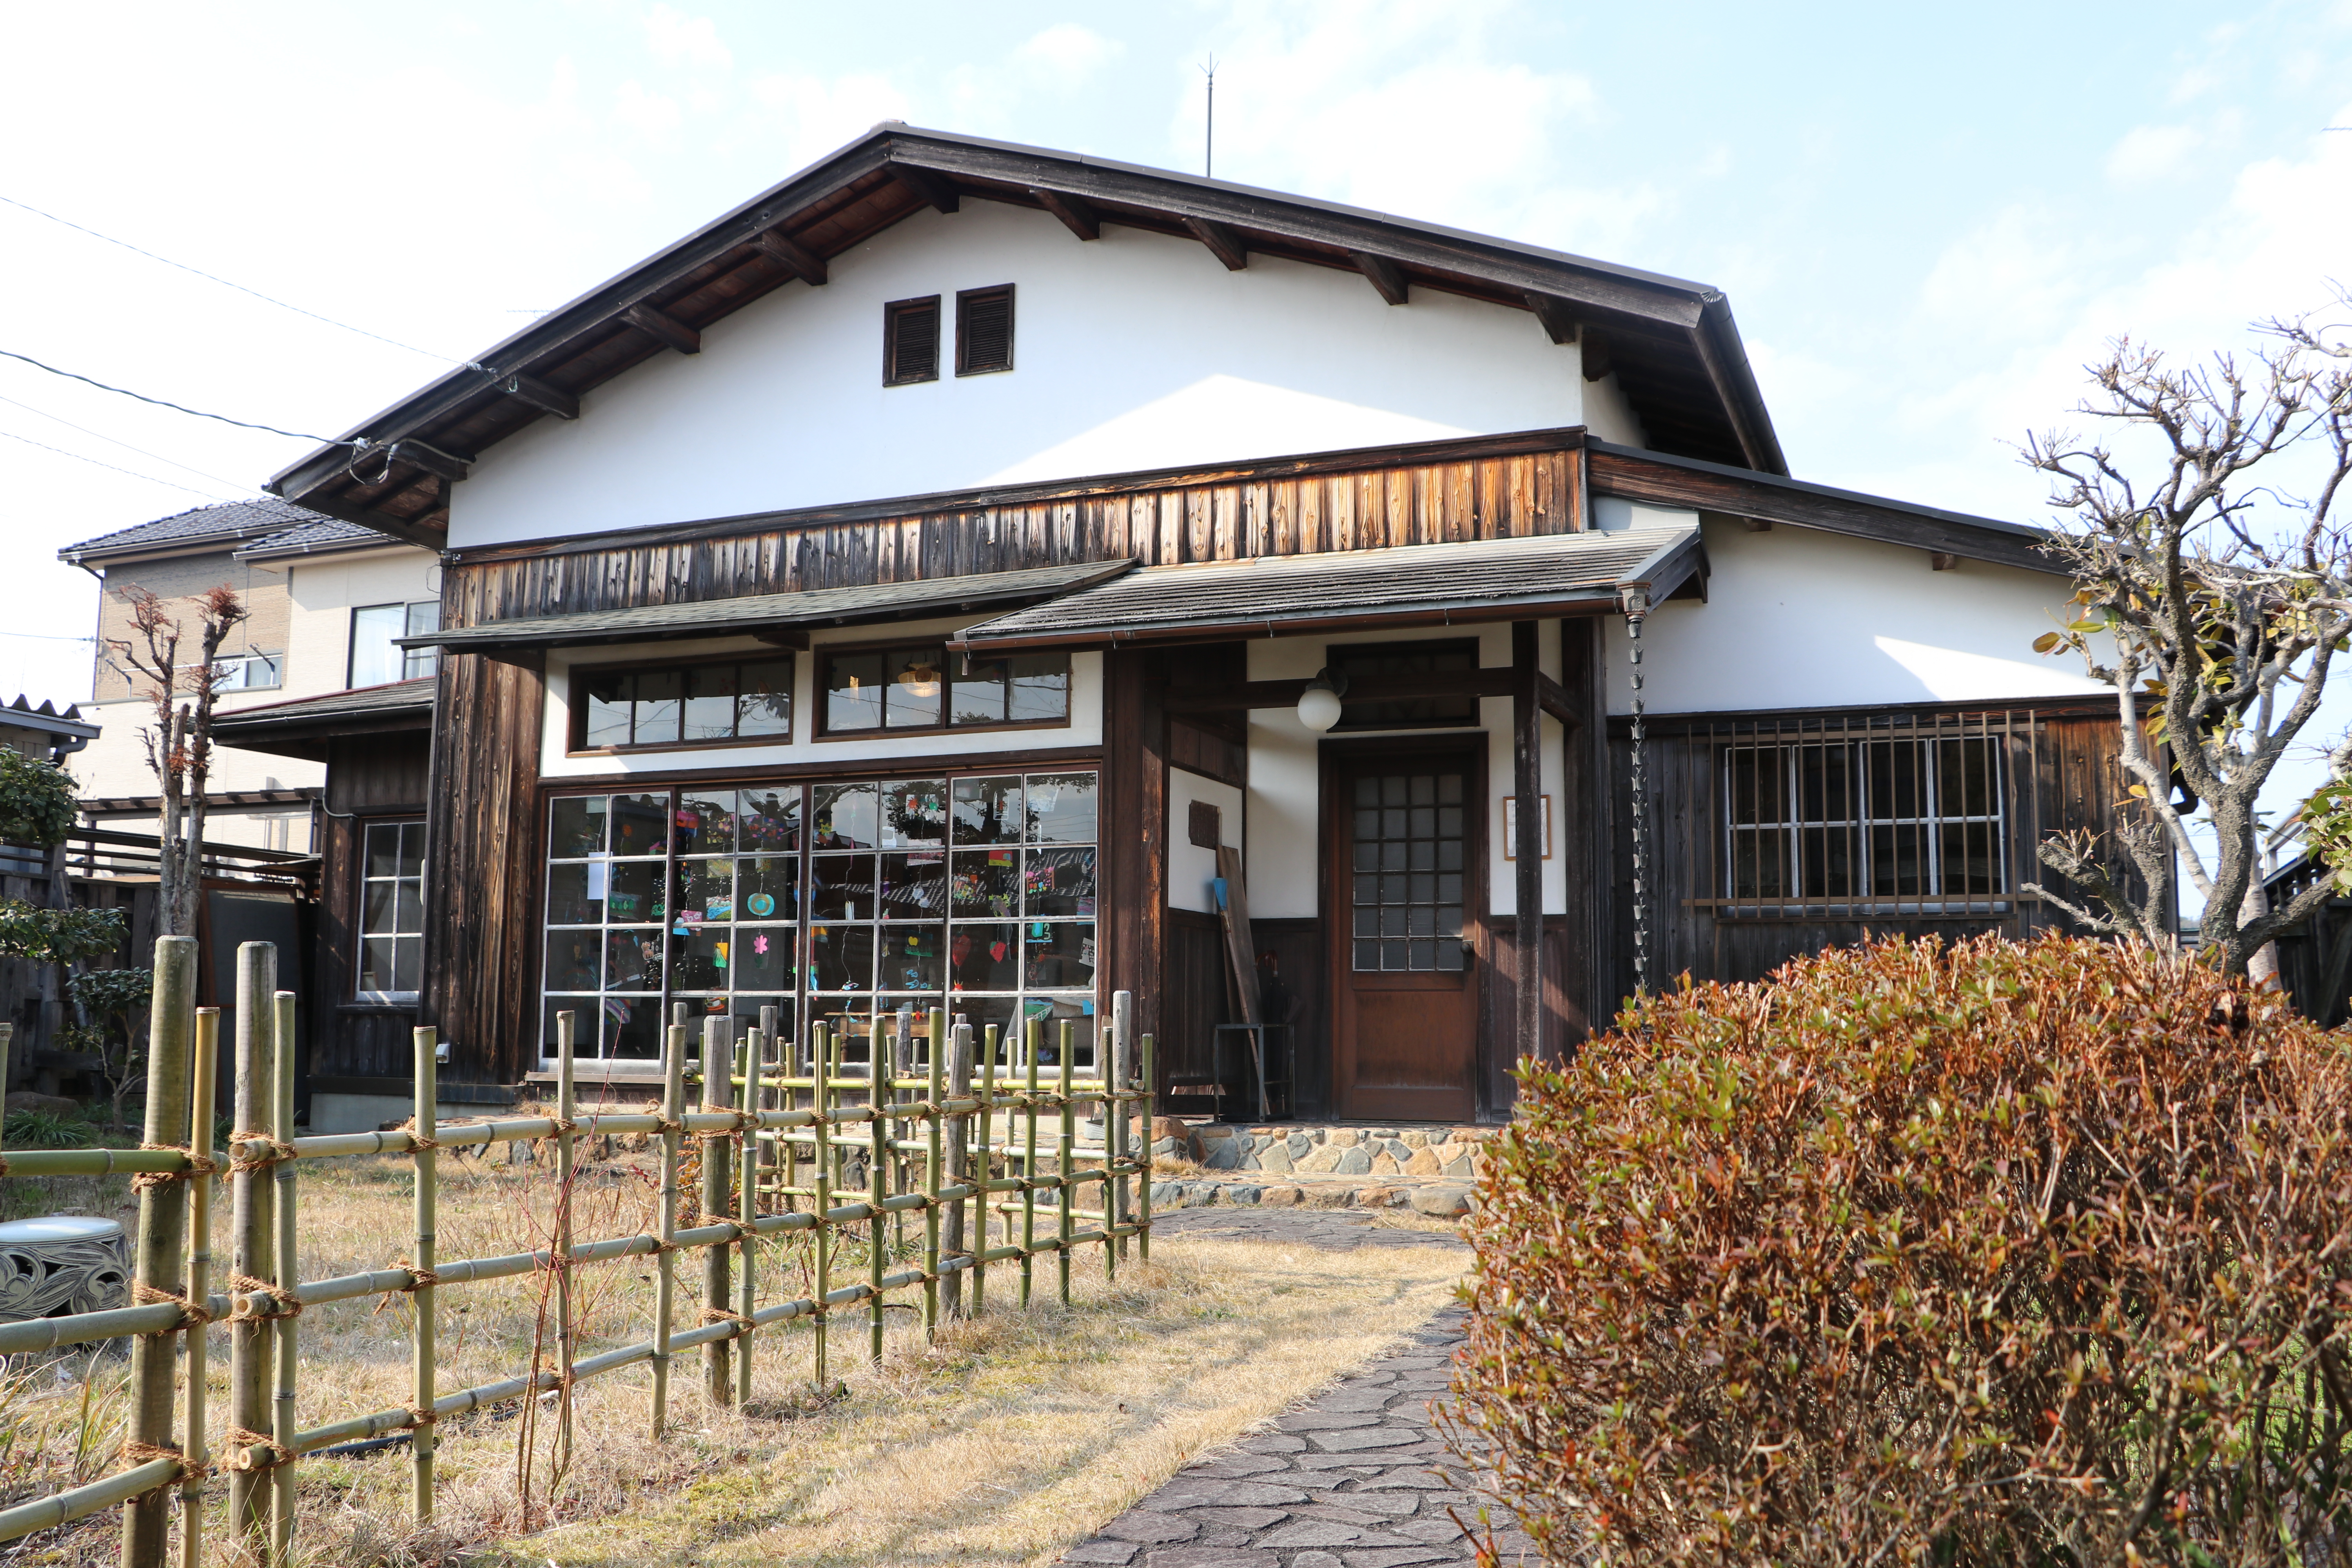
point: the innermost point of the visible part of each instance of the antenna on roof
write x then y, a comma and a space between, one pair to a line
1209, 147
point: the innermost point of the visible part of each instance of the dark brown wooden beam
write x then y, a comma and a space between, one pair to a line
782, 636
1076, 213
1526, 829
1385, 276
1942, 561
1553, 700
1558, 320
801, 262
663, 327
432, 459
1223, 242
936, 190
1597, 364
540, 396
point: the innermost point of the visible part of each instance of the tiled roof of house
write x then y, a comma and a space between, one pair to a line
320, 533
230, 523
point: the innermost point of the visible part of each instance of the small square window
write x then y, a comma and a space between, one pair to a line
984, 330
910, 341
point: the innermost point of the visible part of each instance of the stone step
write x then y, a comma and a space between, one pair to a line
1440, 1198
1328, 1149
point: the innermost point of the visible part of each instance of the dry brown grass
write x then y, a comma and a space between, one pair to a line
1005, 1440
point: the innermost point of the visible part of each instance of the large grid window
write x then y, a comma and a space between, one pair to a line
671, 895
1908, 824
972, 893
391, 913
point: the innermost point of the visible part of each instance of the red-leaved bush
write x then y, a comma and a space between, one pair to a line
1977, 1254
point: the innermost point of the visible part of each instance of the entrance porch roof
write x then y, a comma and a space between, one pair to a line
1411, 585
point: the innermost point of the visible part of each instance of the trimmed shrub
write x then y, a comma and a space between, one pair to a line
1987, 1253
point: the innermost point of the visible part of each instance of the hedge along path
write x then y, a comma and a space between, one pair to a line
898, 1141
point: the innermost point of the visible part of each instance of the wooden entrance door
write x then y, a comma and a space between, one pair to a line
1405, 851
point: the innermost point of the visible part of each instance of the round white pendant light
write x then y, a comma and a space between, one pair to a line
1319, 705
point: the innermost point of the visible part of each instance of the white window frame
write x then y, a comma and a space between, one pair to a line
418, 618
362, 934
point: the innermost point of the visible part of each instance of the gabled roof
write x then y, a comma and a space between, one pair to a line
198, 529
1412, 585
1673, 343
22, 715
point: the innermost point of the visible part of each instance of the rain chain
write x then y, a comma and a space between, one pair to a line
1637, 610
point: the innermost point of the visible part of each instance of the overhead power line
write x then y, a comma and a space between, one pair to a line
127, 447
212, 278
60, 451
160, 403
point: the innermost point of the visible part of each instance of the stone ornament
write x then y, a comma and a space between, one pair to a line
63, 1264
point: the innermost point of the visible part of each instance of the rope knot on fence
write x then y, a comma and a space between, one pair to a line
418, 1139
422, 1416
714, 1315
197, 1165
193, 1314
284, 1303
420, 1279
280, 1150
241, 1442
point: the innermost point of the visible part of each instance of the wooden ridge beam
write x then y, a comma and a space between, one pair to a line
936, 190
1559, 318
1076, 213
663, 327
801, 262
1385, 276
547, 399
1223, 242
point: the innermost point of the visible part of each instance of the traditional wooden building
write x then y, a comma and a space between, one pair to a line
898, 593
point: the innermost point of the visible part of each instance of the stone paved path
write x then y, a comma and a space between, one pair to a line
1353, 1478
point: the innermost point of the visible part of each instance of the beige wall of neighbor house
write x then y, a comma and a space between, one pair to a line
300, 611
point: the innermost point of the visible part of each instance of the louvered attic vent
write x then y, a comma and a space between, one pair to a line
910, 340
984, 330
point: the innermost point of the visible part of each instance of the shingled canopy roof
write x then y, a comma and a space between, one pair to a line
1673, 344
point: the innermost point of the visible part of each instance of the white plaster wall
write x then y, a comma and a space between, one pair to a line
1608, 416
1285, 774
325, 591
1799, 618
1133, 350
1191, 868
1085, 729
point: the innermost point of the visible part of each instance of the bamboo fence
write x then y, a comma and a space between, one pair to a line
818, 1146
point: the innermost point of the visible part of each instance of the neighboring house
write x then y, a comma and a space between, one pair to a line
896, 593
324, 602
32, 873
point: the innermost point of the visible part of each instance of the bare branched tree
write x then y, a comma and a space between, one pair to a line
2213, 599
180, 742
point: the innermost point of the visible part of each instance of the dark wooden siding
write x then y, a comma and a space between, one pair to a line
2060, 771
1175, 519
482, 875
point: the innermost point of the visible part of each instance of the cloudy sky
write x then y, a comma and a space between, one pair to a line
1926, 222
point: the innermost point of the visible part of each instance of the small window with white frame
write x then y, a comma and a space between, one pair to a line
248, 671
377, 658
391, 957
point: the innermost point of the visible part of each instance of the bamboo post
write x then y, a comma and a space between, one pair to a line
8, 1037
821, 1057
666, 1260
567, 1105
771, 1152
933, 1159
959, 1158
426, 1166
287, 1270
1065, 1196
163, 1221
878, 1055
752, 1055
1120, 1076
251, 1238
981, 1166
1143, 1198
1034, 1033
718, 1156
200, 1277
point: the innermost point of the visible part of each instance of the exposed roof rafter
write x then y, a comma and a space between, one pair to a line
1077, 214
802, 263
664, 327
1223, 242
1385, 276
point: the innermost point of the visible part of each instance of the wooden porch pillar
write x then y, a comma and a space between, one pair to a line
1526, 828
1135, 822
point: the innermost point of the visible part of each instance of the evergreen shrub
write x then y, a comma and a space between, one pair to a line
1982, 1253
